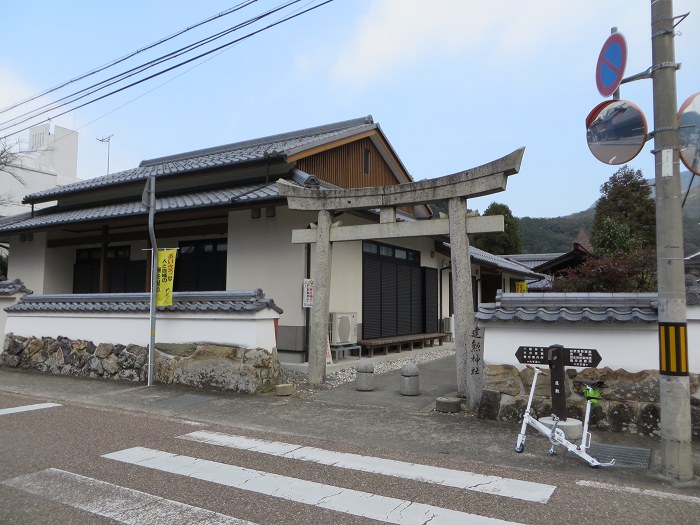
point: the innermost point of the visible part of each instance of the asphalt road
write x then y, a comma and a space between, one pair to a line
53, 467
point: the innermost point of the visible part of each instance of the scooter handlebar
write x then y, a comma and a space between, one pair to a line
536, 369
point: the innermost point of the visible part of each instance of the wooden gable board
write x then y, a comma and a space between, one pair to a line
343, 164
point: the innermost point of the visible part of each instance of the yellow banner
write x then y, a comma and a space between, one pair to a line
166, 274
520, 287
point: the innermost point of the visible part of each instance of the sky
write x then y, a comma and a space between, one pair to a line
453, 84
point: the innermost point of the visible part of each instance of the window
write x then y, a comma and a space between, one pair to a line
201, 266
367, 161
370, 247
120, 273
385, 250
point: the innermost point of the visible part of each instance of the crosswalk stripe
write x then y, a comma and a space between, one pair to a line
639, 491
512, 488
357, 503
128, 506
26, 408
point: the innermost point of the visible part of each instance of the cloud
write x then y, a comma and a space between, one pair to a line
395, 35
14, 89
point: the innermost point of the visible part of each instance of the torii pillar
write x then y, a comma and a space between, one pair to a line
483, 180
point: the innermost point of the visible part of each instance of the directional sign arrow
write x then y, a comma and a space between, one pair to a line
532, 355
583, 357
538, 355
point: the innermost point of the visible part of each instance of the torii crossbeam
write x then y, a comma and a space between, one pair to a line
456, 188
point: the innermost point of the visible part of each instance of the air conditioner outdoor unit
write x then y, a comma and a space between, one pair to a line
342, 328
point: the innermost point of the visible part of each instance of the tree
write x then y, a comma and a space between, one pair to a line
624, 240
500, 243
613, 238
626, 199
9, 155
630, 272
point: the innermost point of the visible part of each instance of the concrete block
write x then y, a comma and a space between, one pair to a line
364, 378
448, 405
572, 428
409, 386
284, 389
409, 379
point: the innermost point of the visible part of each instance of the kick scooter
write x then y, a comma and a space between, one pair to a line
556, 435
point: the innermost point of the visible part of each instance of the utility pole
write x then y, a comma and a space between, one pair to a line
675, 424
108, 141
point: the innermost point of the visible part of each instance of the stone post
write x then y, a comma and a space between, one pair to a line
319, 311
469, 360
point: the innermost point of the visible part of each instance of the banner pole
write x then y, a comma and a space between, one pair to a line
154, 274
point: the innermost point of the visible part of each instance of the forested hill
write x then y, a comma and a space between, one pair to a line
556, 234
553, 235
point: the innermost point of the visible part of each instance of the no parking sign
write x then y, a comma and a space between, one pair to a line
611, 64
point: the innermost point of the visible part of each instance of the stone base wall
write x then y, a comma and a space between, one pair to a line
247, 370
630, 401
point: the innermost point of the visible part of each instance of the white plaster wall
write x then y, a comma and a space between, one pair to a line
254, 330
5, 302
253, 263
346, 278
27, 261
634, 347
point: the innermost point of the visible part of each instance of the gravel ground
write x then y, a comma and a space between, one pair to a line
306, 391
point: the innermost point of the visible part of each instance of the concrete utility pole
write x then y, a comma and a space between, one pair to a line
674, 386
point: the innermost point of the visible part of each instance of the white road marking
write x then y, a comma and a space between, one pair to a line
365, 504
511, 488
26, 408
122, 504
641, 492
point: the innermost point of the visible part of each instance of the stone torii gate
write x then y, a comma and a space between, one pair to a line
476, 182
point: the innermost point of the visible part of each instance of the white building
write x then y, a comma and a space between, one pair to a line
51, 160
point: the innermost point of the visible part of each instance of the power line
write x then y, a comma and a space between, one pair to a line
222, 47
128, 56
75, 96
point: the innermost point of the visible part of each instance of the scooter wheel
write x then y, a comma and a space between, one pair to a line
593, 466
519, 448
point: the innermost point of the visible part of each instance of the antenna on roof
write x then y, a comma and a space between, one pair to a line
107, 140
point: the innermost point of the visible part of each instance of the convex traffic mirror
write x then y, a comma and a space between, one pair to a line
689, 133
616, 131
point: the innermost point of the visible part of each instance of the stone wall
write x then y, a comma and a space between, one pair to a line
247, 370
630, 401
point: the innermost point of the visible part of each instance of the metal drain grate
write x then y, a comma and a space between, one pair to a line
624, 456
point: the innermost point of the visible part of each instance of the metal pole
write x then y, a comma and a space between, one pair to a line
108, 140
154, 274
674, 386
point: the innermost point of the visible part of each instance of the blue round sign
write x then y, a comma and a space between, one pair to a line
611, 64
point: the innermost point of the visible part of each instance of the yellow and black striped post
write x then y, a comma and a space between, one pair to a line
673, 349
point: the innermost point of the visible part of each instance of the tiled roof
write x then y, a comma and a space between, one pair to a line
13, 287
233, 301
571, 308
247, 193
502, 263
532, 259
274, 146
